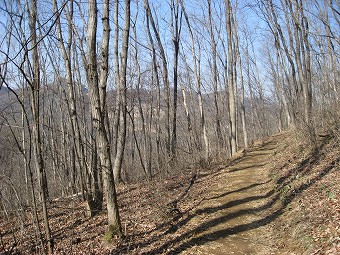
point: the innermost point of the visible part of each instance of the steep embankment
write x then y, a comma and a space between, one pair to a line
307, 179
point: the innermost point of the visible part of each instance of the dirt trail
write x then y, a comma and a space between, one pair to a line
235, 216
230, 209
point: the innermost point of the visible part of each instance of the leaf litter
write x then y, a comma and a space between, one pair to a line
273, 198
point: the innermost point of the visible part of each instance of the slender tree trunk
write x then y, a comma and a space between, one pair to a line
176, 23
96, 198
333, 63
165, 74
197, 74
243, 108
122, 85
98, 108
35, 89
146, 165
231, 81
215, 77
187, 114
277, 30
283, 92
29, 179
155, 77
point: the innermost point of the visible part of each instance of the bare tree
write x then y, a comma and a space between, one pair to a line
298, 53
242, 88
231, 79
97, 86
121, 79
176, 25
197, 73
155, 74
215, 77
35, 107
165, 72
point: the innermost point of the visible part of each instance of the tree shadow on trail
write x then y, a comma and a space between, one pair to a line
217, 234
178, 236
246, 167
177, 245
238, 190
213, 209
171, 226
265, 149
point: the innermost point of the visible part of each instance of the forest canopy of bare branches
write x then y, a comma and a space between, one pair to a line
95, 93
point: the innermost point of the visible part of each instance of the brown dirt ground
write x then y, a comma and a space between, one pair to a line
277, 197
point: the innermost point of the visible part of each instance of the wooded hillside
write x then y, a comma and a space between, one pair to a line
100, 94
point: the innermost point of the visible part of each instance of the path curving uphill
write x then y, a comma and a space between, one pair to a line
234, 218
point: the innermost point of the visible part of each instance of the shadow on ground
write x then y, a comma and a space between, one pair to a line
276, 204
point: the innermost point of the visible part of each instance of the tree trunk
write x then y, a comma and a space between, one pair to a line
98, 108
122, 87
96, 198
37, 143
176, 21
231, 81
243, 108
156, 77
165, 73
197, 74
215, 77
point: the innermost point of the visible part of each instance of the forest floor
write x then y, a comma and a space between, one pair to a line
278, 197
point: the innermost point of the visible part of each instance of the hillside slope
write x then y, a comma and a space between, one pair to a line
277, 197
